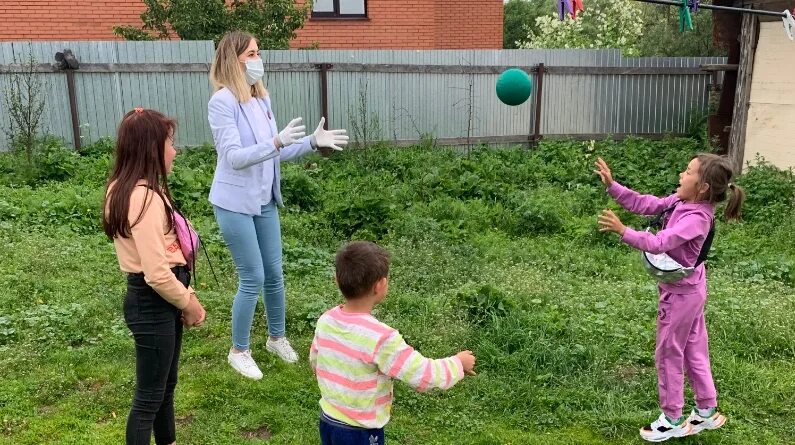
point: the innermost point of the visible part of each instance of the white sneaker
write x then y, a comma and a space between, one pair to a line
244, 364
282, 348
699, 424
661, 429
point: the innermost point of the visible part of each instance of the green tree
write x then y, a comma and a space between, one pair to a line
272, 22
603, 24
519, 19
637, 29
662, 37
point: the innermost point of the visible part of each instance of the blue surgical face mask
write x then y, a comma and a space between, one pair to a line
254, 70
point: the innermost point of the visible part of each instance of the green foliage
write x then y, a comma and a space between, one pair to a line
57, 205
272, 22
541, 212
50, 160
495, 251
128, 32
519, 20
55, 162
365, 125
300, 188
190, 188
362, 214
484, 304
637, 29
770, 192
604, 24
661, 36
103, 147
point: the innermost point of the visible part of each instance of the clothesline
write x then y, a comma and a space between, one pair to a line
569, 8
719, 8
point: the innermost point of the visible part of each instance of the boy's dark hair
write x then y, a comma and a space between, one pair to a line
359, 265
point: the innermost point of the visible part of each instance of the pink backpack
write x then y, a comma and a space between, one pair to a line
189, 242
188, 239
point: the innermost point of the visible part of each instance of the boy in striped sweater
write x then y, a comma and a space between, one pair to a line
355, 356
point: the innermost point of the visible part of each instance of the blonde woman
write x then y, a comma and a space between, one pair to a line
246, 190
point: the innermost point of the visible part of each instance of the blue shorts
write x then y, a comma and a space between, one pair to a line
334, 432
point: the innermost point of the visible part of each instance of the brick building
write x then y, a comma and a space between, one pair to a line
374, 24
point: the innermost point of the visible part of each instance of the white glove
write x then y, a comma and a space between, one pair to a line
292, 132
329, 138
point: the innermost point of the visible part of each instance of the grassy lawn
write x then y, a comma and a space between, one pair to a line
494, 251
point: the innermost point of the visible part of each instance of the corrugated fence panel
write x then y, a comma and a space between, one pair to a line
55, 116
405, 105
103, 98
182, 95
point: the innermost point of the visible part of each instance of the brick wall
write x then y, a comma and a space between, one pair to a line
469, 24
411, 24
391, 24
66, 19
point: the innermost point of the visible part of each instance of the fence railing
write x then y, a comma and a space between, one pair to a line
400, 96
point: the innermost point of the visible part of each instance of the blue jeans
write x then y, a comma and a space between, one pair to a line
255, 243
334, 432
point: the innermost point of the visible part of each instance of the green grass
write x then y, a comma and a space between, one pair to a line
569, 361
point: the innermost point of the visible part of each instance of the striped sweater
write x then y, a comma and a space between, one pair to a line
355, 358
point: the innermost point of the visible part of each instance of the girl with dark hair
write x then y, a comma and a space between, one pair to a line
139, 217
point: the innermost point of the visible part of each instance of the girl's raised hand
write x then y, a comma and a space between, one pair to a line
603, 171
609, 222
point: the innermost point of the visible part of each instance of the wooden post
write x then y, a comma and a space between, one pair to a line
749, 37
725, 33
536, 137
70, 87
324, 67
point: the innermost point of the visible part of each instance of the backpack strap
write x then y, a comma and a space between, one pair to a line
209, 263
702, 256
659, 221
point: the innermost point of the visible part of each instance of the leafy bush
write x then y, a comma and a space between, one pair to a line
770, 192
484, 304
363, 213
300, 187
54, 161
440, 194
190, 188
54, 206
544, 210
50, 160
102, 147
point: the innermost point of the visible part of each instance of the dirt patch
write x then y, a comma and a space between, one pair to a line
45, 410
261, 433
626, 373
184, 420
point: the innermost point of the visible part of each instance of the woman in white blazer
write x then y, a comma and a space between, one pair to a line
246, 190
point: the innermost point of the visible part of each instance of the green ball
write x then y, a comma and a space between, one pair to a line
514, 87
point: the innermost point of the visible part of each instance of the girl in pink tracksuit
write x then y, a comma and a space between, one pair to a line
681, 331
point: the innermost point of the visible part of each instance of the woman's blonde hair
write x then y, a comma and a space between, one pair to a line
226, 70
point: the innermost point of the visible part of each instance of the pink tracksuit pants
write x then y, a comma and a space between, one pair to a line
682, 346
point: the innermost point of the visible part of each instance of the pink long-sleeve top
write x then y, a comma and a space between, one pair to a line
682, 237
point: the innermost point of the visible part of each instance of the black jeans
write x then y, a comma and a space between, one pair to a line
157, 328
